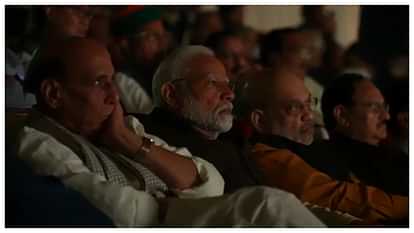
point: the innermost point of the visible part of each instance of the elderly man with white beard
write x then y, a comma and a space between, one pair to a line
193, 99
194, 106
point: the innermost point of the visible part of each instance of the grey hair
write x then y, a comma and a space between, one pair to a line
174, 66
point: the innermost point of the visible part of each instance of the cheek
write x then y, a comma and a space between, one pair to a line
149, 50
371, 121
282, 124
294, 123
208, 98
91, 102
362, 124
228, 63
144, 53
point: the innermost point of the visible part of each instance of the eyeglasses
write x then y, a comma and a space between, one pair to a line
219, 85
296, 108
375, 107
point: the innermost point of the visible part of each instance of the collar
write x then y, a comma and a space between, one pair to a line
169, 118
341, 139
279, 142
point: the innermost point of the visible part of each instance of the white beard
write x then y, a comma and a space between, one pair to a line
214, 121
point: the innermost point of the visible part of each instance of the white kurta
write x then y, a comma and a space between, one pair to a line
124, 205
200, 206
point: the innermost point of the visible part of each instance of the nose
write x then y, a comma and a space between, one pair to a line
112, 93
307, 114
227, 93
386, 115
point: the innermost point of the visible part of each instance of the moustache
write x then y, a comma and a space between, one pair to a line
225, 107
382, 124
309, 126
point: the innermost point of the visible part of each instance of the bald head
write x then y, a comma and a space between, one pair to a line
74, 83
279, 104
266, 85
55, 60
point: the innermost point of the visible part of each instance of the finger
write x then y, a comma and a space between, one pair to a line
118, 109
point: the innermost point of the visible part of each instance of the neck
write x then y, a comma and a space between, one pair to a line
207, 134
372, 142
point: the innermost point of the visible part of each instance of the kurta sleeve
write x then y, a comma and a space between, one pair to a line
212, 183
124, 205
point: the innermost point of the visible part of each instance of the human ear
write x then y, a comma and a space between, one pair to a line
169, 95
340, 114
51, 92
257, 120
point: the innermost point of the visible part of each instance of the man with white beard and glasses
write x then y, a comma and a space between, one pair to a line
78, 134
193, 99
194, 106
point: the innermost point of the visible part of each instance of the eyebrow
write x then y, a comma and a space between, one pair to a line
211, 75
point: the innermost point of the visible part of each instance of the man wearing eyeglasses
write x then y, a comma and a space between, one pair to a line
143, 43
68, 20
356, 116
293, 48
193, 97
230, 49
280, 110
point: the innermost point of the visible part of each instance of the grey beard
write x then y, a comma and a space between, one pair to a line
210, 121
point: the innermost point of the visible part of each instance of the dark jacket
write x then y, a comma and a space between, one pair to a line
324, 162
378, 166
230, 161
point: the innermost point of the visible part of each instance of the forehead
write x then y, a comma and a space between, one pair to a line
201, 66
87, 59
288, 86
155, 25
366, 90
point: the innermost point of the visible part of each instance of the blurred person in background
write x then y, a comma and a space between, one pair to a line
143, 43
207, 21
320, 18
231, 51
358, 60
17, 57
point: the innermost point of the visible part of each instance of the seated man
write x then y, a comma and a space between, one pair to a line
290, 47
279, 107
77, 133
230, 50
356, 115
194, 106
288, 122
143, 43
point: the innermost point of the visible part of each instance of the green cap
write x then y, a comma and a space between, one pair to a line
129, 19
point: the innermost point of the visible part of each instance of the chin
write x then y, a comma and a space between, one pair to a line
225, 125
307, 141
382, 134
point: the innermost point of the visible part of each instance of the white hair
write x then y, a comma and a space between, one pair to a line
173, 67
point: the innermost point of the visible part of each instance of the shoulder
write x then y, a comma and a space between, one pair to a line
263, 153
46, 155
